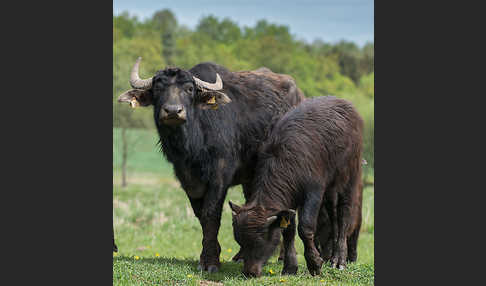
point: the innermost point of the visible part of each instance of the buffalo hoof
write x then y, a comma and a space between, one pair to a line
210, 268
337, 265
352, 257
213, 269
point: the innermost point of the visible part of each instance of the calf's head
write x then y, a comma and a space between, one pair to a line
257, 231
173, 92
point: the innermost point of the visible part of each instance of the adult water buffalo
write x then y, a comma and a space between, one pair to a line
211, 122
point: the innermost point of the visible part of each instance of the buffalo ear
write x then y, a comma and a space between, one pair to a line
212, 99
284, 218
235, 209
136, 97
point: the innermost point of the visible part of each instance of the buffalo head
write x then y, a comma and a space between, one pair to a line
173, 92
257, 231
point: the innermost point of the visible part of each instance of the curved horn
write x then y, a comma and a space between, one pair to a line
211, 86
136, 81
270, 220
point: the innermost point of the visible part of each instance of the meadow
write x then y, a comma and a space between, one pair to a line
159, 238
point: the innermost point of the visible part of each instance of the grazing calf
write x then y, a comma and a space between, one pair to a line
312, 150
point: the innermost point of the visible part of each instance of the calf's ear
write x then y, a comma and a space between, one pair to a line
284, 218
136, 97
235, 209
212, 99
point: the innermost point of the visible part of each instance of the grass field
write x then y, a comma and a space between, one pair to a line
159, 238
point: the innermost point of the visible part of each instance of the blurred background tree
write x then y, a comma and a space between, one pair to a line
342, 69
165, 24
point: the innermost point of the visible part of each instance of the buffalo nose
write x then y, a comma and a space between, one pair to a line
173, 109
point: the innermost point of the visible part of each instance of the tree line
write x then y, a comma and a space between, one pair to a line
342, 69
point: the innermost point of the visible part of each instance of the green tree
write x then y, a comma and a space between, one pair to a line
226, 31
367, 85
367, 64
125, 52
165, 23
125, 24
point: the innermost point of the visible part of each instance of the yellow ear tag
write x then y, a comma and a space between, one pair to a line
212, 100
284, 223
134, 103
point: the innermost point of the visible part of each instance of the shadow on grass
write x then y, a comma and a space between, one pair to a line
227, 270
161, 260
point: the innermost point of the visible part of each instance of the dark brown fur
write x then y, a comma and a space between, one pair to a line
325, 238
212, 150
315, 149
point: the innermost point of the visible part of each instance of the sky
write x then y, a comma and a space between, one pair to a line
327, 20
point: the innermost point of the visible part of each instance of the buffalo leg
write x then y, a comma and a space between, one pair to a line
332, 201
246, 192
324, 233
308, 215
353, 238
281, 255
207, 261
327, 246
341, 248
288, 249
196, 205
353, 246
210, 220
345, 216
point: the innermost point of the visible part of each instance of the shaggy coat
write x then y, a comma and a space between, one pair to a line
213, 150
315, 149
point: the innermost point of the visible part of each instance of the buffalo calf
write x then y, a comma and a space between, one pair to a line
313, 150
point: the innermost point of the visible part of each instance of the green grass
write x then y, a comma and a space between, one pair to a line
144, 154
153, 216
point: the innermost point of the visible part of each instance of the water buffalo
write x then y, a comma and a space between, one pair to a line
211, 122
313, 151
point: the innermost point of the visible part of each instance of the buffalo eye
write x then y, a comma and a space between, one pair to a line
189, 88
